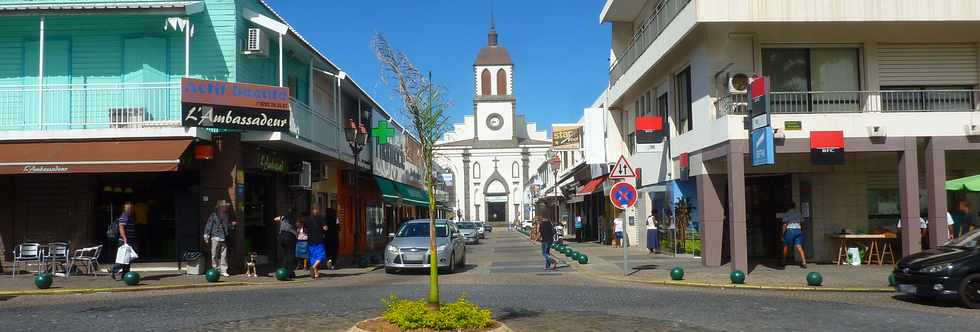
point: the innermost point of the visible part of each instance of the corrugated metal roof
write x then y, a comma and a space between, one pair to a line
99, 5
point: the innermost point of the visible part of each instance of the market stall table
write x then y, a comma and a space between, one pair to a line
876, 251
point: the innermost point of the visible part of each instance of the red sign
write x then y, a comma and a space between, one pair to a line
827, 147
207, 92
649, 123
203, 152
623, 195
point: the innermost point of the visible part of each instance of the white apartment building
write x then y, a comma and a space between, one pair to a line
896, 78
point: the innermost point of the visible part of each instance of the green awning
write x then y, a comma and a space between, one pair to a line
389, 189
969, 183
412, 195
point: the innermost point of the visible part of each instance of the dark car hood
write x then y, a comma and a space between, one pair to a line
935, 256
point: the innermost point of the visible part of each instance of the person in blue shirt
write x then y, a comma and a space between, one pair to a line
793, 234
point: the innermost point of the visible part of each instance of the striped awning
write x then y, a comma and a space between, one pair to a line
96, 7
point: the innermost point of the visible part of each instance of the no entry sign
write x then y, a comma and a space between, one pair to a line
623, 195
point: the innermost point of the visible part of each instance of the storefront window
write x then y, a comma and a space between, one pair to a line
376, 226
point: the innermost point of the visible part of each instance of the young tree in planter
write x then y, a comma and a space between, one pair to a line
424, 105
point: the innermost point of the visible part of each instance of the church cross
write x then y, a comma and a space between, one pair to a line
495, 162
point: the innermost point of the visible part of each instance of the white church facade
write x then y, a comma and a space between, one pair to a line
492, 152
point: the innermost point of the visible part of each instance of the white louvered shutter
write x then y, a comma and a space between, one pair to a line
927, 64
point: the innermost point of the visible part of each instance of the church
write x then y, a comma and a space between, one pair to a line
492, 153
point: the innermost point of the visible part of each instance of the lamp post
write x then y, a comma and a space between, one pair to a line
356, 136
555, 162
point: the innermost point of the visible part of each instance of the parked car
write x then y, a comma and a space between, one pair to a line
488, 227
481, 229
469, 231
951, 271
409, 247
527, 224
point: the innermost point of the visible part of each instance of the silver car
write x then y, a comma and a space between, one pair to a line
469, 231
409, 247
481, 229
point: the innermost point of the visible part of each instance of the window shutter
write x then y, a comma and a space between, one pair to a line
927, 64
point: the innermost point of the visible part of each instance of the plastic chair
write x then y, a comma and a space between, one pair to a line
26, 253
88, 257
57, 254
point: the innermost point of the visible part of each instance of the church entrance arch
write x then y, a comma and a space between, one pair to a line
496, 196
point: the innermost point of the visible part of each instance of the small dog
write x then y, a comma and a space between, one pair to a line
250, 265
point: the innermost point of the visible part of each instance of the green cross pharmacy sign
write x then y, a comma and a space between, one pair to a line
382, 132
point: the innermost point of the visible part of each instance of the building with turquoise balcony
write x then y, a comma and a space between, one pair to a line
91, 117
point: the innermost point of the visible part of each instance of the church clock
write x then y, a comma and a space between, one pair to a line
495, 121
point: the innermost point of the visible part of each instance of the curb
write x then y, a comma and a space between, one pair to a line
127, 289
702, 284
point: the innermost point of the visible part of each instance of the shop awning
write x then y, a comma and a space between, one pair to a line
591, 186
412, 195
92, 156
969, 183
389, 189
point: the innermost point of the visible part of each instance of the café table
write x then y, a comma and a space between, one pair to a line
879, 247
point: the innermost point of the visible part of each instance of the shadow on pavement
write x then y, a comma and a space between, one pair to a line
928, 302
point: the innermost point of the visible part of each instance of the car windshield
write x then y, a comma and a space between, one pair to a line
421, 229
968, 240
466, 225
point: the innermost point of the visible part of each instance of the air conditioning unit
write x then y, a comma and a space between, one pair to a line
876, 131
738, 84
972, 130
256, 44
301, 177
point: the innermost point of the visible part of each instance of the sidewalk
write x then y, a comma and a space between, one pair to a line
156, 279
607, 262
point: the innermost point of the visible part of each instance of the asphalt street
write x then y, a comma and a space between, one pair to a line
504, 273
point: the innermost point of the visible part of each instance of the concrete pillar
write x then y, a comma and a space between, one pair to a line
736, 211
935, 156
908, 190
712, 219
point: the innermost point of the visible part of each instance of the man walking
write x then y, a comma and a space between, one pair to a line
547, 233
618, 231
332, 240
127, 236
793, 234
217, 232
578, 228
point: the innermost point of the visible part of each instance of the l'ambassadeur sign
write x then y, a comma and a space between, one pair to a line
218, 104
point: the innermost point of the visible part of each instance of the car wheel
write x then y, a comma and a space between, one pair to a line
970, 291
463, 261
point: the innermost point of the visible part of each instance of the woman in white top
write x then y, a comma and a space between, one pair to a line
653, 235
618, 230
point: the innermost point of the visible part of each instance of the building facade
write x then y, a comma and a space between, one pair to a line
493, 151
893, 82
92, 115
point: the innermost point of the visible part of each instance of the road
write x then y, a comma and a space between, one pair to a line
505, 274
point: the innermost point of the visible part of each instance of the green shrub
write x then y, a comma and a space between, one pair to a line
410, 315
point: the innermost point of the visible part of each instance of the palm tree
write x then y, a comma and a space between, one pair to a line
424, 105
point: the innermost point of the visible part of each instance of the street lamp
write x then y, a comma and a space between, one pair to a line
357, 137
555, 162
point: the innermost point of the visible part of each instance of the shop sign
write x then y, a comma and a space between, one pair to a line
218, 104
763, 149
793, 125
382, 132
270, 162
650, 130
684, 164
827, 147
40, 169
759, 102
565, 137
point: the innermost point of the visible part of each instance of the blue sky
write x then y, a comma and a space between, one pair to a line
559, 48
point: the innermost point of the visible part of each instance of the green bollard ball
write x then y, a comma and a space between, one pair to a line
575, 255
738, 277
583, 259
212, 275
677, 273
43, 280
282, 274
891, 280
131, 278
814, 279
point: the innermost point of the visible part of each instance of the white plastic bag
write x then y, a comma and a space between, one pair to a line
854, 256
125, 254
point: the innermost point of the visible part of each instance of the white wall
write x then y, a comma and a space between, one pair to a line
506, 110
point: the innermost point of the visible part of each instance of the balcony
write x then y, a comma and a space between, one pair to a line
89, 106
888, 101
313, 126
651, 29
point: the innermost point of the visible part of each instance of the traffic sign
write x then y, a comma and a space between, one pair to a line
623, 195
622, 169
